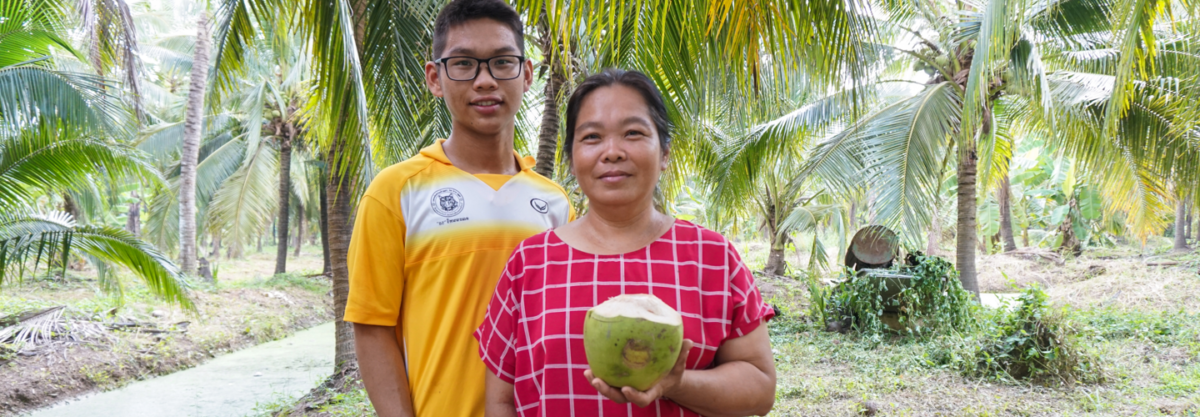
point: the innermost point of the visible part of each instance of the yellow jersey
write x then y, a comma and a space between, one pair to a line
429, 243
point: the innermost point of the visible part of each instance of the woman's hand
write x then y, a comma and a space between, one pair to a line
664, 387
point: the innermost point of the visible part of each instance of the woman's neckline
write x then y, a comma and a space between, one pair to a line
674, 224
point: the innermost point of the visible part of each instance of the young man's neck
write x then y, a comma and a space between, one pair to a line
480, 154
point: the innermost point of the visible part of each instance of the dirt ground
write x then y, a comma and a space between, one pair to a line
1099, 279
145, 337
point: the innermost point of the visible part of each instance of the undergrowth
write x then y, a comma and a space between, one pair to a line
933, 300
1032, 342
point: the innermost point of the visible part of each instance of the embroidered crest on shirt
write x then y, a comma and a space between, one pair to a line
539, 205
447, 202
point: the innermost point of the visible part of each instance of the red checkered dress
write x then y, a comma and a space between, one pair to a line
532, 336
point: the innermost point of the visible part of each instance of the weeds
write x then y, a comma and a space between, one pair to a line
933, 299
1032, 342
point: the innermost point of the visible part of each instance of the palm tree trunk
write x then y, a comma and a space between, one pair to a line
1191, 230
967, 170
935, 233
299, 231
340, 225
1070, 242
285, 188
548, 136
133, 217
776, 264
216, 248
71, 208
324, 201
853, 217
1180, 226
1004, 196
340, 230
192, 129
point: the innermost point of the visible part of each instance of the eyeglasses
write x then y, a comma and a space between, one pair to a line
465, 68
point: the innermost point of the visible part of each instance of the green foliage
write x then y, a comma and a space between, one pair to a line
933, 301
1032, 342
28, 239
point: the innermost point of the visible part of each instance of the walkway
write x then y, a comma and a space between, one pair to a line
227, 386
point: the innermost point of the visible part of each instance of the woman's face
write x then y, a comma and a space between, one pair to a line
616, 157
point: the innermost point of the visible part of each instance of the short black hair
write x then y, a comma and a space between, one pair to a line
632, 79
463, 11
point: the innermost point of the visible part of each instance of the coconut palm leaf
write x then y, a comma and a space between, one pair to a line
238, 24
51, 159
244, 204
1136, 42
996, 28
899, 151
30, 29
111, 39
1149, 155
33, 94
340, 116
26, 235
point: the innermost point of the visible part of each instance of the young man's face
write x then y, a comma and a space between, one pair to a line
484, 106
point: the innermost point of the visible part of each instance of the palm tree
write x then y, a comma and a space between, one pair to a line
1091, 74
53, 125
191, 147
664, 39
34, 161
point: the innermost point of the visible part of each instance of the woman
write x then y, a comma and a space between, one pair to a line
531, 339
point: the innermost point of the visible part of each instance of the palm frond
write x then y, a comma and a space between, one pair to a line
31, 94
245, 203
26, 235
53, 159
895, 153
111, 38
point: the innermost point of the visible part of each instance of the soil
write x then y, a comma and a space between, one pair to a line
146, 338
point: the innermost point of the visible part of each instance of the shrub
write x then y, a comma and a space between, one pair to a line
1032, 342
934, 300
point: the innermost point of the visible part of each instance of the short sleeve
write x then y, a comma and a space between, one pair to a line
497, 334
376, 265
749, 309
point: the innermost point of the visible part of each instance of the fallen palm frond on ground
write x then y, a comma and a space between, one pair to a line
26, 332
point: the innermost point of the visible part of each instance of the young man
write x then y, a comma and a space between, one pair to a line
433, 233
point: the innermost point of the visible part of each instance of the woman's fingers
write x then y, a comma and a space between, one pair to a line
639, 398
681, 361
611, 393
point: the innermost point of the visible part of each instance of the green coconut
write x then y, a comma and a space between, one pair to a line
632, 340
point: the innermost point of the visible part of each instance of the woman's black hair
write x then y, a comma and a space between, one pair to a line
632, 79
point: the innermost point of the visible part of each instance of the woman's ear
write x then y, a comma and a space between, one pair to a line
666, 158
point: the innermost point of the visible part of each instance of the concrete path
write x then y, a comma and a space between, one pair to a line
227, 386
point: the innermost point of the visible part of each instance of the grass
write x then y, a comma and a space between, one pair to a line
301, 280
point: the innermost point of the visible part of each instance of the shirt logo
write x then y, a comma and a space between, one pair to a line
447, 202
541, 206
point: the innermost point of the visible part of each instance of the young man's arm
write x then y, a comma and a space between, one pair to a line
376, 266
498, 401
381, 364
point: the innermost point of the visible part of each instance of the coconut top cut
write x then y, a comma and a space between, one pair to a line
639, 306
